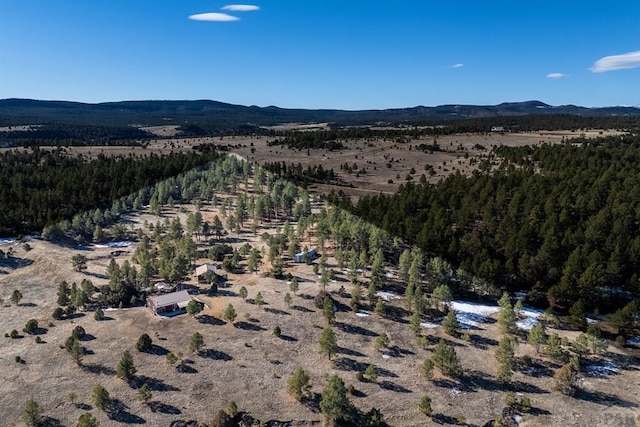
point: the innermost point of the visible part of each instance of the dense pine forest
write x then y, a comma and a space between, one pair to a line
43, 187
562, 221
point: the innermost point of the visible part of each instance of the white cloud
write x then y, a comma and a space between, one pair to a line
557, 75
241, 7
617, 62
213, 16
456, 66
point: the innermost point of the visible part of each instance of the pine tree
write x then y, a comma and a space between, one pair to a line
32, 413
334, 404
425, 406
196, 343
287, 300
381, 341
414, 323
126, 369
299, 384
328, 311
507, 318
229, 314
505, 353
101, 397
144, 343
293, 286
537, 336
243, 293
450, 324
87, 420
445, 358
259, 300
328, 343
144, 393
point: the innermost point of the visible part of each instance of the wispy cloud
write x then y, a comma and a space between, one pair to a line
557, 75
213, 16
241, 7
456, 65
617, 62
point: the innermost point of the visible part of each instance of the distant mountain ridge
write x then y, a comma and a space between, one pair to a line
149, 113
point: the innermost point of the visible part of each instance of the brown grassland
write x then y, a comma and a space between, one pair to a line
244, 362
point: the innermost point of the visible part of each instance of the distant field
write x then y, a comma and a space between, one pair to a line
387, 163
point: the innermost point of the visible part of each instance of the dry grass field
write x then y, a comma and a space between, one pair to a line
246, 363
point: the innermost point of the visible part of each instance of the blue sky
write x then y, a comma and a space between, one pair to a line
348, 54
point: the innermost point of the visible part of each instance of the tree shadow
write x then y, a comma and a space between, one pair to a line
158, 350
482, 343
210, 320
302, 309
355, 329
118, 412
87, 337
306, 296
400, 352
604, 399
391, 386
276, 311
382, 372
350, 352
98, 369
155, 384
164, 408
210, 353
358, 393
27, 304
398, 314
347, 364
96, 275
16, 262
312, 402
288, 338
184, 368
245, 326
444, 419
83, 406
49, 422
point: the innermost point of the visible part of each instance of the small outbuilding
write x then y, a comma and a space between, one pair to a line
172, 303
203, 271
303, 256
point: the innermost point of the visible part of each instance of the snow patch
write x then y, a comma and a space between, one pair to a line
454, 392
470, 320
429, 325
123, 244
634, 341
473, 308
387, 296
527, 323
363, 313
602, 368
386, 356
7, 241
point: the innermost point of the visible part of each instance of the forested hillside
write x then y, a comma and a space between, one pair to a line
560, 220
41, 187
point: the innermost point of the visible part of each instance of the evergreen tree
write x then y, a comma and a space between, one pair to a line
328, 343
126, 369
243, 293
425, 406
578, 315
450, 324
381, 341
505, 354
441, 297
32, 413
334, 404
299, 384
144, 343
328, 311
259, 300
288, 300
414, 323
87, 420
144, 393
229, 314
507, 318
101, 397
293, 286
537, 336
445, 358
553, 349
196, 342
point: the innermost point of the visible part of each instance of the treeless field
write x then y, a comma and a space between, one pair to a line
246, 363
